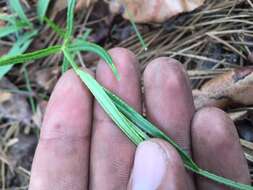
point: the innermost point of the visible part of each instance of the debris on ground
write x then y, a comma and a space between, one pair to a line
13, 105
146, 11
232, 88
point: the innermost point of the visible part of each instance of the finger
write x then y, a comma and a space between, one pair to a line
169, 100
112, 152
62, 156
157, 165
216, 148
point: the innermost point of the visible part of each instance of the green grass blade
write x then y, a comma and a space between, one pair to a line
18, 9
98, 91
19, 47
225, 181
109, 107
42, 9
70, 18
15, 50
153, 131
55, 27
7, 30
86, 34
8, 18
143, 44
65, 65
82, 45
149, 128
4, 70
29, 88
11, 60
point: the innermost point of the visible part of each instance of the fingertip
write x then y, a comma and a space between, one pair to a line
128, 87
214, 137
150, 166
214, 122
125, 62
166, 80
157, 165
170, 151
165, 70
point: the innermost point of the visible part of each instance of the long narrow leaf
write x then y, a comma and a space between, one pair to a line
29, 88
54, 26
8, 18
153, 131
7, 30
225, 181
82, 45
11, 60
143, 44
15, 50
97, 90
17, 8
42, 7
149, 128
70, 18
19, 47
65, 65
86, 34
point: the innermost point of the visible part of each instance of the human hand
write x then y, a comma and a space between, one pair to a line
80, 148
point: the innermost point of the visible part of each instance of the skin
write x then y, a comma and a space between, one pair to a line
80, 148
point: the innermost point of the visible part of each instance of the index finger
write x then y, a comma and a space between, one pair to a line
61, 161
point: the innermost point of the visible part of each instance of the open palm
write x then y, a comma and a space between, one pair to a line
80, 148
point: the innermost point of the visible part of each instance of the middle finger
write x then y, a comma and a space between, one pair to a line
169, 101
111, 151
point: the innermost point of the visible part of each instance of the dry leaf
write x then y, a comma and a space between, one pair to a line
144, 11
229, 89
83, 4
13, 106
62, 4
251, 57
21, 153
237, 115
46, 78
5, 96
40, 111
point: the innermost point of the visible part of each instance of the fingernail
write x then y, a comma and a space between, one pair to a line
149, 166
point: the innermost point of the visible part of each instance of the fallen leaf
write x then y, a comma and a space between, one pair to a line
21, 153
229, 89
251, 57
83, 4
13, 106
237, 115
40, 111
46, 78
144, 11
5, 96
60, 5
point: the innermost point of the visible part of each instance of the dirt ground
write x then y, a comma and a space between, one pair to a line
209, 41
